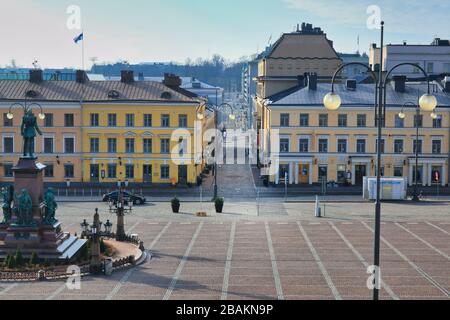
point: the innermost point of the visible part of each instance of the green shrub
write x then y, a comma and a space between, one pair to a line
11, 263
19, 258
175, 201
102, 246
219, 201
34, 259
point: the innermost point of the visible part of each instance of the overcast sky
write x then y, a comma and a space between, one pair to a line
173, 30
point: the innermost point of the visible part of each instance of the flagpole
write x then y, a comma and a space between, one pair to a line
82, 51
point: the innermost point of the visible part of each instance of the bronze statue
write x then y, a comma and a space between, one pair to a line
8, 198
50, 208
28, 130
24, 209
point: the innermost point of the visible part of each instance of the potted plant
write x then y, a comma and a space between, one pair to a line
175, 205
219, 204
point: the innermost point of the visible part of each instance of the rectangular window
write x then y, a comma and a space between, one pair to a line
69, 145
341, 173
69, 171
284, 145
129, 171
48, 121
342, 145
129, 145
8, 145
398, 171
165, 146
399, 122
129, 120
95, 145
437, 123
165, 172
323, 145
342, 120
398, 146
361, 146
430, 67
418, 121
69, 120
48, 145
8, 170
304, 145
417, 144
361, 120
447, 67
182, 121
165, 121
49, 171
94, 120
112, 120
323, 120
148, 145
436, 146
284, 120
148, 120
112, 171
304, 120
7, 122
112, 145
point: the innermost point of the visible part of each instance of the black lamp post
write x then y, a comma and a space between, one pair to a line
216, 110
118, 207
402, 115
332, 102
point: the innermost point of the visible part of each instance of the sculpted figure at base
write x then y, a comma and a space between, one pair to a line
8, 198
50, 207
24, 209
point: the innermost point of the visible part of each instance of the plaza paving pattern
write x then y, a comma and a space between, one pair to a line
292, 259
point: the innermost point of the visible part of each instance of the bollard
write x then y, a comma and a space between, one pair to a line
317, 211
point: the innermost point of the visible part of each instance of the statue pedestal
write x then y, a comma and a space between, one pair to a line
28, 175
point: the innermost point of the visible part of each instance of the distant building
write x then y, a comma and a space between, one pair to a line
306, 50
359, 73
201, 89
433, 58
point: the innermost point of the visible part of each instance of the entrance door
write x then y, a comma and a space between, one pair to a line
182, 174
303, 170
360, 173
95, 173
148, 173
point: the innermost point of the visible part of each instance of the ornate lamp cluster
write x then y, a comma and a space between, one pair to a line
95, 229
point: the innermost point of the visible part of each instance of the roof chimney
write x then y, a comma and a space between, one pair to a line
127, 76
171, 80
301, 80
36, 76
400, 83
350, 84
81, 76
312, 81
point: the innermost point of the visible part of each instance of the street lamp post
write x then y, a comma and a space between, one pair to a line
232, 116
118, 207
402, 115
332, 102
94, 233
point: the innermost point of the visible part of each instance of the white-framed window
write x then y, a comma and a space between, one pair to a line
48, 144
304, 144
8, 144
69, 144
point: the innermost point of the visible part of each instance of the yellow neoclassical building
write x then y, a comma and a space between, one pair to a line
308, 144
118, 130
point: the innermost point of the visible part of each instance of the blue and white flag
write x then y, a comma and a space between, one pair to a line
79, 38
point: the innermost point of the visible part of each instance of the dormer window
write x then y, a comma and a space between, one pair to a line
166, 95
113, 94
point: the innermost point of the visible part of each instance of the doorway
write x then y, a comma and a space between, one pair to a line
95, 173
148, 173
182, 174
360, 173
303, 170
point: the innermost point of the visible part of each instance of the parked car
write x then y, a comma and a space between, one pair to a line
127, 197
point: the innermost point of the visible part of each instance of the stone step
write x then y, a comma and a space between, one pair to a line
73, 249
